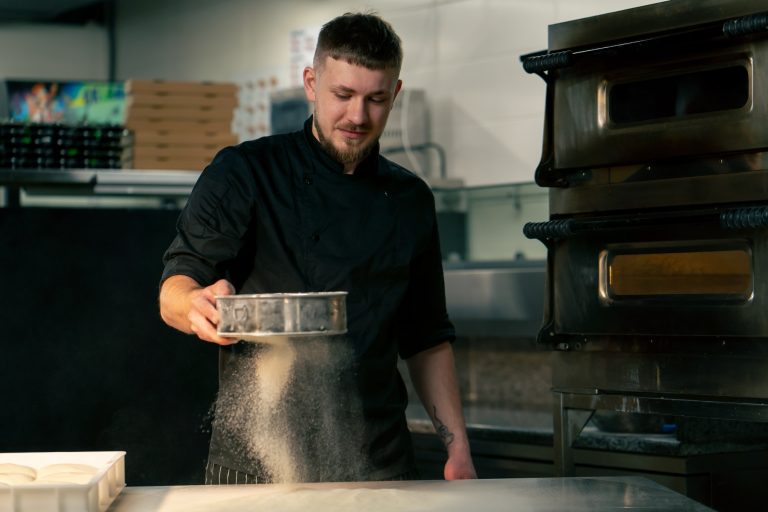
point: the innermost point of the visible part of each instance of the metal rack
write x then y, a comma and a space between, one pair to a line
98, 182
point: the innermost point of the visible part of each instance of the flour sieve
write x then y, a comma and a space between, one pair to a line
256, 317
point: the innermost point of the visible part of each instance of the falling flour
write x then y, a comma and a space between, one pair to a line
274, 372
293, 406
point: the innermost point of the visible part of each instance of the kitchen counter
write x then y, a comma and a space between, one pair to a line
493, 424
529, 494
534, 427
724, 469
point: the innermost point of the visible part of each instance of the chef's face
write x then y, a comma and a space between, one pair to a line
352, 104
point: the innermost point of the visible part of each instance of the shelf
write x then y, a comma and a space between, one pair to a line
107, 182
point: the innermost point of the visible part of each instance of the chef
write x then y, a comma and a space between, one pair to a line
321, 210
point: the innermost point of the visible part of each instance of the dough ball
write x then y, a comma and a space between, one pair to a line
15, 478
65, 478
66, 468
17, 468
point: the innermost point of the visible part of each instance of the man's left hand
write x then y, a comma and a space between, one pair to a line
457, 468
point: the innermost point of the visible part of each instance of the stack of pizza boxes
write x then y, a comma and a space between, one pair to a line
179, 125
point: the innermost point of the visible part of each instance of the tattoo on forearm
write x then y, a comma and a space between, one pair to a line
445, 435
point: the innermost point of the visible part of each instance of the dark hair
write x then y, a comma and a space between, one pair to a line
360, 39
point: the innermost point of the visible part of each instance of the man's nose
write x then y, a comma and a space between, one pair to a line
357, 111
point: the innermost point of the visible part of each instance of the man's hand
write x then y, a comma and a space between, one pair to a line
203, 315
459, 468
190, 308
433, 374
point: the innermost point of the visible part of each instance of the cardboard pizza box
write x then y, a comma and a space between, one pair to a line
161, 100
141, 152
148, 137
171, 87
203, 125
176, 163
178, 113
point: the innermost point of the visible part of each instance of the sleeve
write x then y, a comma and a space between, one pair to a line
212, 225
422, 319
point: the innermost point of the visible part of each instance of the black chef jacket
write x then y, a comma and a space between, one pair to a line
278, 214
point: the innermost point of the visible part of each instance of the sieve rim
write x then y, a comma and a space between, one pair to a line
288, 295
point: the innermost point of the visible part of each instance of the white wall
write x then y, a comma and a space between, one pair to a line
54, 52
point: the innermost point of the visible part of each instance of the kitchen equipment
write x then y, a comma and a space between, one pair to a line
260, 317
656, 158
93, 493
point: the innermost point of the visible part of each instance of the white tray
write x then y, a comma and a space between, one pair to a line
95, 496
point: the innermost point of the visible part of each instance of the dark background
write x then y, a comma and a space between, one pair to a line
86, 363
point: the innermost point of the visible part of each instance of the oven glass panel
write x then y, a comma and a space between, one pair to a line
714, 274
680, 95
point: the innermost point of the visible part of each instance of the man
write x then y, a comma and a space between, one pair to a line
321, 210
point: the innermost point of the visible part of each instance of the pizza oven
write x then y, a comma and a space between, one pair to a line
655, 154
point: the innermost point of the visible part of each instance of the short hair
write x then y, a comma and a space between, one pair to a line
362, 39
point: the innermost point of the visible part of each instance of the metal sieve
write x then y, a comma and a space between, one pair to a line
254, 317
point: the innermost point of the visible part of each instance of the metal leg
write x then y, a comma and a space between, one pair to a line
12, 197
568, 424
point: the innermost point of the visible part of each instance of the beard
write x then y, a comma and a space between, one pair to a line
351, 155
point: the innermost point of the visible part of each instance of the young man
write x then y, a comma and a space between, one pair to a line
321, 210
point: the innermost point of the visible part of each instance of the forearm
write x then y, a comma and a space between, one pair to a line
433, 375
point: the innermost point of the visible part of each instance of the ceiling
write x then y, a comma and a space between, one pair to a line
52, 11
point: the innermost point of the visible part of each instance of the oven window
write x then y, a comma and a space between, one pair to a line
710, 274
680, 95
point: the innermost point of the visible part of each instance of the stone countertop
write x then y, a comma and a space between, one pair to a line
535, 427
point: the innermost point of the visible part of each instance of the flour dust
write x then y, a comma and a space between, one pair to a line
294, 407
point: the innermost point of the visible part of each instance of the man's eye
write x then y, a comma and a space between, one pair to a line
378, 100
342, 96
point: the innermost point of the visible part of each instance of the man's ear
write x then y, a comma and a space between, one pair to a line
398, 86
310, 80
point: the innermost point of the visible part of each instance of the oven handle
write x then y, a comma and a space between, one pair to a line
746, 25
754, 217
543, 61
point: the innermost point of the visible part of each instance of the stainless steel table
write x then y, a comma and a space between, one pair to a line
524, 494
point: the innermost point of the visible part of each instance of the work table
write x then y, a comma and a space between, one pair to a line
530, 494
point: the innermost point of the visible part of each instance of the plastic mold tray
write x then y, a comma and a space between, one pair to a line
94, 496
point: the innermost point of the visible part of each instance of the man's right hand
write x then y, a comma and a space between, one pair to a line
191, 308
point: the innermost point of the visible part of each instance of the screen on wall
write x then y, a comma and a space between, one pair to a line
74, 102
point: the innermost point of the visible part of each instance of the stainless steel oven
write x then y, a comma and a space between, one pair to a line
697, 272
655, 153
695, 95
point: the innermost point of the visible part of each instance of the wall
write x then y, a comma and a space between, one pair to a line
485, 110
56, 52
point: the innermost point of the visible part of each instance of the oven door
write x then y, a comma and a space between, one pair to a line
693, 273
623, 106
